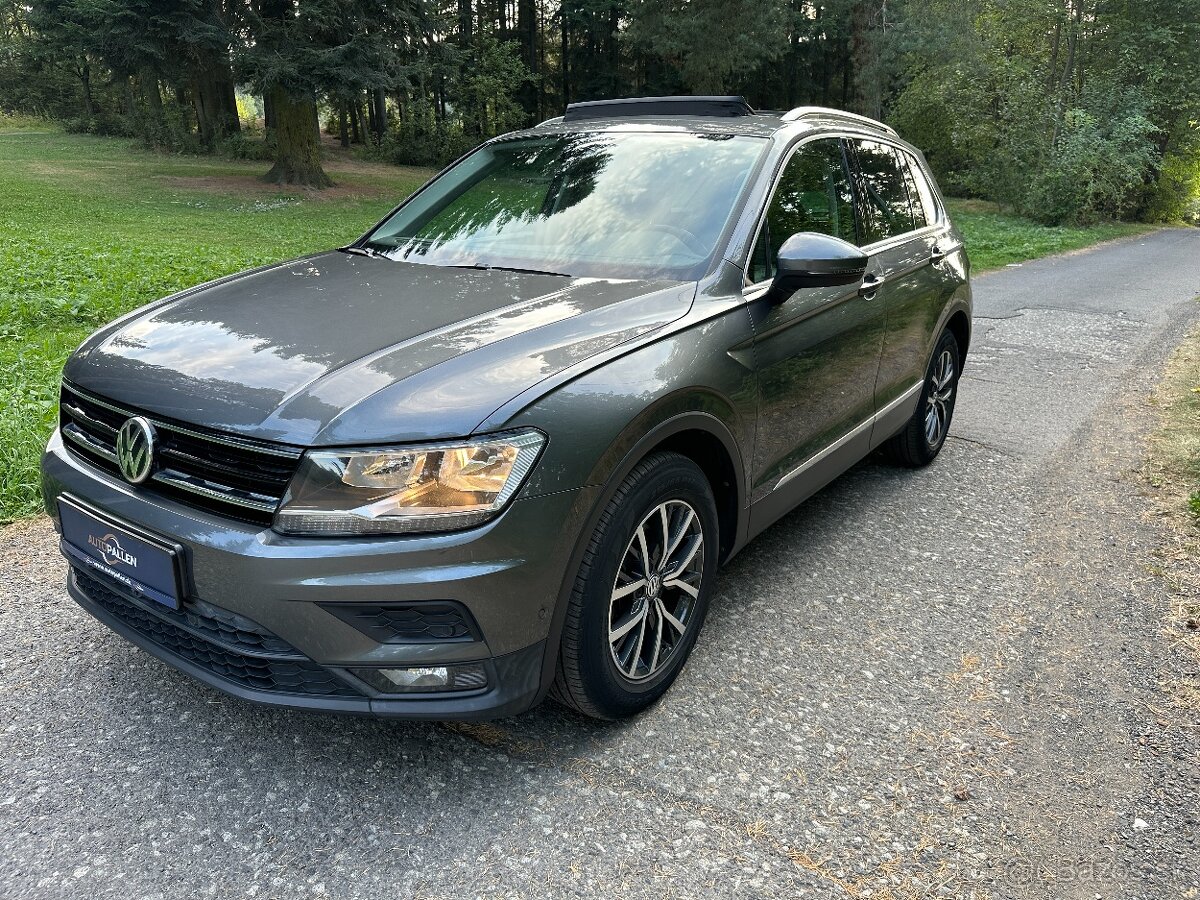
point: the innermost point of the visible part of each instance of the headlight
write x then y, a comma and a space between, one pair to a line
387, 491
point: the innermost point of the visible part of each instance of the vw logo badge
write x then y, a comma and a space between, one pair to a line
135, 450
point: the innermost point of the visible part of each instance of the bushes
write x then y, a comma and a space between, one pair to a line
988, 132
1175, 195
1096, 170
242, 145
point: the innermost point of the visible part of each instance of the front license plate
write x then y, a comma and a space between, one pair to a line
140, 562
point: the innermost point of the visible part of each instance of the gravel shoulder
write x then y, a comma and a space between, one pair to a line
939, 683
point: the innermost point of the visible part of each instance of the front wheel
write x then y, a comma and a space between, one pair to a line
922, 438
642, 591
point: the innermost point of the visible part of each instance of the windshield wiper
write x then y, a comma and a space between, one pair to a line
510, 269
363, 251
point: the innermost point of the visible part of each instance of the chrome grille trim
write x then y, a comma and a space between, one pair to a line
76, 413
241, 478
228, 441
214, 491
85, 440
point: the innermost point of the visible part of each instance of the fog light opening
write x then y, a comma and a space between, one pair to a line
425, 679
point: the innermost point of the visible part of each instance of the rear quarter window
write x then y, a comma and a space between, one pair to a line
925, 201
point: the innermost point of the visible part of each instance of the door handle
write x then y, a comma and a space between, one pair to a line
938, 254
869, 287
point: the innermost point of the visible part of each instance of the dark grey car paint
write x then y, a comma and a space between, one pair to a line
338, 349
335, 349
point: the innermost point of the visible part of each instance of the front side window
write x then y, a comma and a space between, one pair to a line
884, 203
813, 194
616, 205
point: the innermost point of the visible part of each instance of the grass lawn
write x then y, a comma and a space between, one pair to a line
995, 239
91, 228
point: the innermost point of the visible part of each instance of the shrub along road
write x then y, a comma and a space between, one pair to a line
934, 683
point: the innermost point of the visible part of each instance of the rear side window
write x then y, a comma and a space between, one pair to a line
813, 194
919, 217
925, 201
886, 211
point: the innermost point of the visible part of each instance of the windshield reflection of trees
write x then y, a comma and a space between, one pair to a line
513, 189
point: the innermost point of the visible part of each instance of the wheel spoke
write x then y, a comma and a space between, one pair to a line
626, 626
683, 586
674, 622
697, 543
626, 589
644, 550
682, 533
658, 637
637, 649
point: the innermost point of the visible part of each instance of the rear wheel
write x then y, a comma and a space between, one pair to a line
922, 438
642, 591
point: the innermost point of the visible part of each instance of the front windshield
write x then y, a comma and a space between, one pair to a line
632, 205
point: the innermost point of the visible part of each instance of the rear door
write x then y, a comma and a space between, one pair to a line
905, 237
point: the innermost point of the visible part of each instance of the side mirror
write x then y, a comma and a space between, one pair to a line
809, 260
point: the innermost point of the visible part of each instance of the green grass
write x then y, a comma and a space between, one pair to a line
92, 227
995, 239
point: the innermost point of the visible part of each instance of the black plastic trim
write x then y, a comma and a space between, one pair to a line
635, 107
514, 690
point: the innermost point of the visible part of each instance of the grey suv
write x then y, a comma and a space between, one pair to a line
497, 447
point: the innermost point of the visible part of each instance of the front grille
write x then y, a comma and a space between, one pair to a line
232, 476
416, 623
229, 646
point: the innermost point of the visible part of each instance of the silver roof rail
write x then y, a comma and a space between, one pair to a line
821, 112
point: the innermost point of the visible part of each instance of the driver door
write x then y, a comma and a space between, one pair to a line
817, 352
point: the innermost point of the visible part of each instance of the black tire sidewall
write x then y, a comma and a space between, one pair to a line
667, 477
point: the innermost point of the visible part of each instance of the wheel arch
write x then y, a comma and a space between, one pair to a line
959, 325
697, 434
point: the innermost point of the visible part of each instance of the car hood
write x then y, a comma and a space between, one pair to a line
341, 349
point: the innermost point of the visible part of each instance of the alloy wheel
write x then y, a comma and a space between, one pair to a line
940, 399
656, 591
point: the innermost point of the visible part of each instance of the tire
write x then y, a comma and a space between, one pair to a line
913, 445
613, 679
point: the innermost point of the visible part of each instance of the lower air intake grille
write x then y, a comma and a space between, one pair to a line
275, 666
416, 623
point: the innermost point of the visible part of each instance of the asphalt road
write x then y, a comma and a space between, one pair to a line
921, 684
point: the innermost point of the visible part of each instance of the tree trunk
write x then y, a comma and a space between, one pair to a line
527, 31
297, 146
565, 28
466, 19
214, 99
130, 98
379, 101
85, 80
344, 125
1068, 69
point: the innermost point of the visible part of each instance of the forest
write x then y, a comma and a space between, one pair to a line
1065, 111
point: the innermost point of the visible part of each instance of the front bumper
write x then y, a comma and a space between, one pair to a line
267, 616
